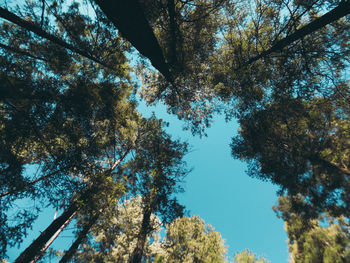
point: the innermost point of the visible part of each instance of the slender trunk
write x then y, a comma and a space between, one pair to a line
137, 254
22, 52
43, 250
342, 10
82, 235
36, 249
31, 253
29, 184
4, 13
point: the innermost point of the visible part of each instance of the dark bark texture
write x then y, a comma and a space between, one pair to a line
141, 240
32, 252
129, 18
81, 236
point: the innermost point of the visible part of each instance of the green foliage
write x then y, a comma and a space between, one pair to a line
322, 240
187, 32
191, 240
74, 119
304, 148
60, 113
157, 169
115, 234
247, 256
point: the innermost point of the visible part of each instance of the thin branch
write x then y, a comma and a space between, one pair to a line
117, 162
42, 14
22, 52
342, 10
22, 188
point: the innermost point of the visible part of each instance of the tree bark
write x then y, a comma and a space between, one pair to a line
130, 20
137, 254
33, 252
81, 236
53, 238
340, 11
4, 13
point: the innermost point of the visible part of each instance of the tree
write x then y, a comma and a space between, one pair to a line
60, 114
156, 172
90, 121
228, 36
322, 244
187, 32
189, 239
302, 147
115, 235
292, 105
247, 256
322, 240
130, 20
331, 16
6, 14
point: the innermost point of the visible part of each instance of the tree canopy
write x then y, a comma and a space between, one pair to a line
71, 136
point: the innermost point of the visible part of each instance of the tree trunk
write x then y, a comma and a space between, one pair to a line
130, 20
53, 238
4, 13
34, 251
81, 236
137, 254
342, 10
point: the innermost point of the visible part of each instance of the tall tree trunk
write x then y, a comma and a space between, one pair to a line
340, 11
81, 236
137, 254
53, 238
130, 20
4, 13
33, 252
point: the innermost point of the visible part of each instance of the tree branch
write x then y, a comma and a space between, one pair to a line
30, 183
342, 10
22, 52
4, 13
